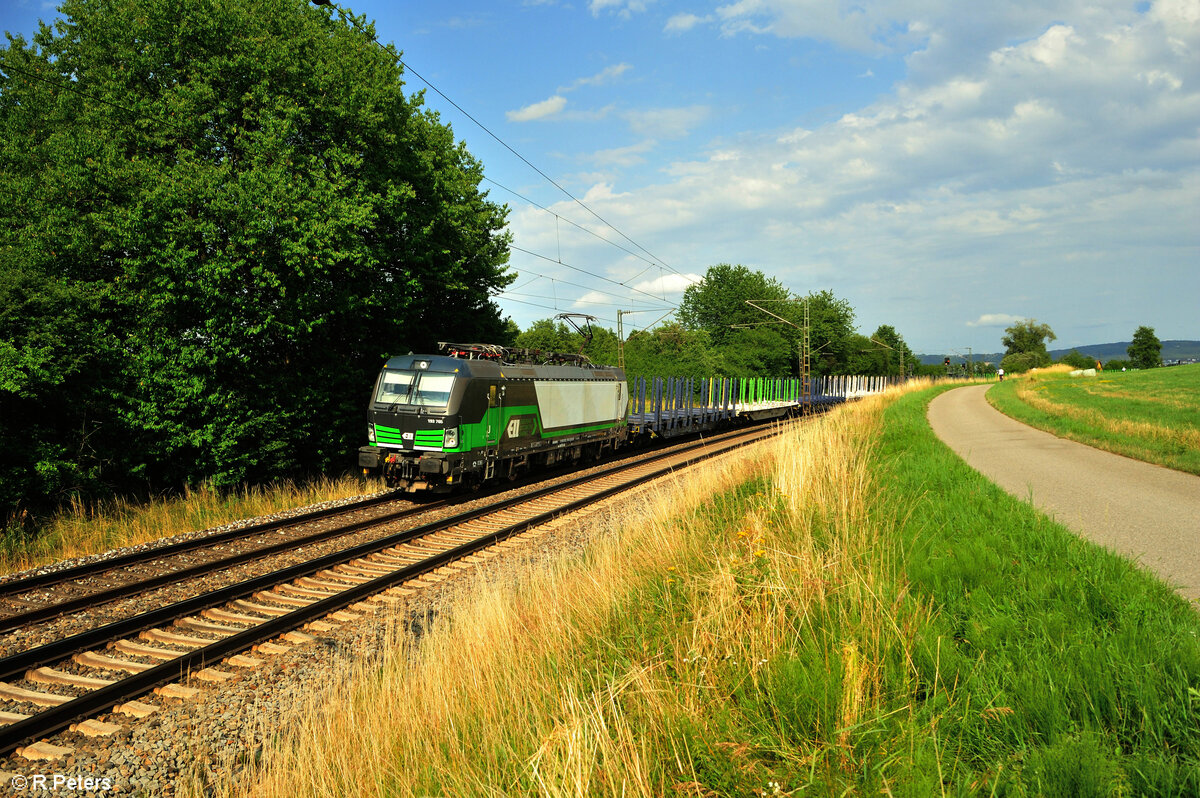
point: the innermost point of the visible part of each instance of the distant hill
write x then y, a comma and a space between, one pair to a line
1171, 350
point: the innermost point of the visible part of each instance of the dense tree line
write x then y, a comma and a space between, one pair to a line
717, 332
215, 220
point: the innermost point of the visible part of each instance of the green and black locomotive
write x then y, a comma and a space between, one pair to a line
478, 412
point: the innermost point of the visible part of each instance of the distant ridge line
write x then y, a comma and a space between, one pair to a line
1171, 350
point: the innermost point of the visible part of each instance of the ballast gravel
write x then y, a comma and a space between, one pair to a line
210, 741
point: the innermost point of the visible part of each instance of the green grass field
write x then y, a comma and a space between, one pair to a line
1149, 415
859, 613
1097, 661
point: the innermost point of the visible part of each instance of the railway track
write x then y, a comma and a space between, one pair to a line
109, 667
44, 596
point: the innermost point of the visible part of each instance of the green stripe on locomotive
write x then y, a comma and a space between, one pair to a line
528, 429
387, 435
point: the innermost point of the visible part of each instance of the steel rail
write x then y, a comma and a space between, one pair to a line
129, 589
17, 664
14, 587
10, 622
56, 719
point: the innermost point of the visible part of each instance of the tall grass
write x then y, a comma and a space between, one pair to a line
81, 529
730, 634
848, 610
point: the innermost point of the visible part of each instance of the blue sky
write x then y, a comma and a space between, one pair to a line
946, 168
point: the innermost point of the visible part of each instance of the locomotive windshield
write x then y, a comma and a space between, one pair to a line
400, 386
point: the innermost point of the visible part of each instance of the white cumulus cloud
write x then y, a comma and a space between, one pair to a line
681, 23
539, 110
995, 320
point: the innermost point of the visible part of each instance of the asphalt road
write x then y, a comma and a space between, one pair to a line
1148, 513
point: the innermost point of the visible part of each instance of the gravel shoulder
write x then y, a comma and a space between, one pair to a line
1146, 512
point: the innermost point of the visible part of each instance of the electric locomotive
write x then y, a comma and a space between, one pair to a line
478, 412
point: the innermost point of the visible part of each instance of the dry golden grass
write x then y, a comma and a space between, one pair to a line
539, 684
1055, 370
81, 530
1031, 395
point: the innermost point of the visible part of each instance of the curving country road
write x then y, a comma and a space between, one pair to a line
1148, 513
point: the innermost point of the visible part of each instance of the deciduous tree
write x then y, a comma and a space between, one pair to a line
1028, 338
718, 303
234, 211
1145, 351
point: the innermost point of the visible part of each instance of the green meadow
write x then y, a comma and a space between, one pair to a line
1151, 415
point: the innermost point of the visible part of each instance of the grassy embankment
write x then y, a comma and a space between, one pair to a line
81, 530
1151, 415
854, 610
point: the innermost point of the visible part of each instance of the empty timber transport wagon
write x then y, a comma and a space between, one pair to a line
479, 412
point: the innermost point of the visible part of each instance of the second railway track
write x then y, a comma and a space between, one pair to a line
48, 688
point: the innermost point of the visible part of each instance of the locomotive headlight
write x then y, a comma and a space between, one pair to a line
371, 433
450, 440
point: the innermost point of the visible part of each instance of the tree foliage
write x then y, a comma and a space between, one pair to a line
215, 220
1076, 360
718, 303
1028, 339
751, 341
1145, 350
1020, 362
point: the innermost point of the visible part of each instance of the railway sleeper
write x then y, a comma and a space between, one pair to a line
322, 584
281, 598
243, 661
214, 675
306, 592
362, 575
35, 697
262, 609
47, 675
207, 627
375, 568
153, 652
95, 728
44, 750
173, 638
321, 626
218, 614
346, 573
135, 709
94, 659
176, 690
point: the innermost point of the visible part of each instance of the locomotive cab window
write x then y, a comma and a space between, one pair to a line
433, 389
399, 386
395, 386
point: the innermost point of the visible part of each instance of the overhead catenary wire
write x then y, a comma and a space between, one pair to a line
585, 271
578, 302
399, 60
557, 216
655, 261
537, 276
548, 307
